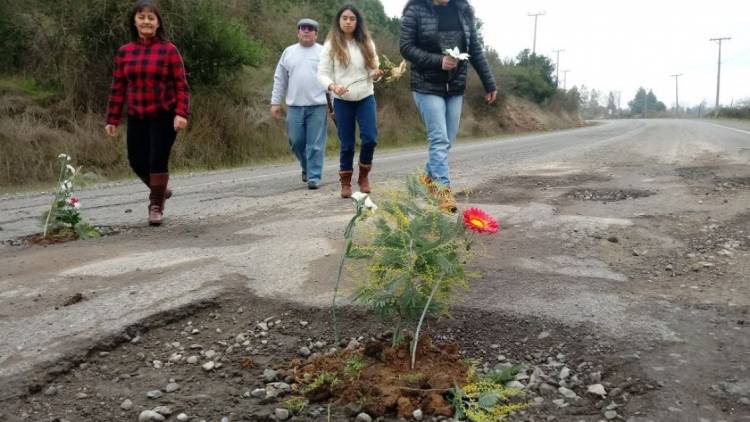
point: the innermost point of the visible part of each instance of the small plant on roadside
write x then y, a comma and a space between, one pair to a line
485, 399
412, 379
418, 258
323, 381
64, 217
353, 366
295, 405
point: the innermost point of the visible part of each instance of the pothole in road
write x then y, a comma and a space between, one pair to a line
509, 189
224, 359
607, 195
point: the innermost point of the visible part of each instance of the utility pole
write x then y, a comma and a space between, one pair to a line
676, 94
557, 68
565, 79
536, 17
718, 73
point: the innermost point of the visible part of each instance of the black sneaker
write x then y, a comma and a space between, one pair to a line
304, 177
312, 185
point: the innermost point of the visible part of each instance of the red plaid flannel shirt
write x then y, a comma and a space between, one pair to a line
151, 75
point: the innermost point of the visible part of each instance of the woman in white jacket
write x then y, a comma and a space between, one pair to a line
348, 66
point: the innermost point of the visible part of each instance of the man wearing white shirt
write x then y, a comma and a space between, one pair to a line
295, 81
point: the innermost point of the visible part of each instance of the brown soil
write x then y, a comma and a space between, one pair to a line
387, 384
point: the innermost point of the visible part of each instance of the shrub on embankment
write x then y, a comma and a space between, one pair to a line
57, 61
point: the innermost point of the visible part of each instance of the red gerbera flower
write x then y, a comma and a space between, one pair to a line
479, 221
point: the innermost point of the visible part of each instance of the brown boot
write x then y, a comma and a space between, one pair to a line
346, 183
446, 202
427, 182
362, 181
158, 182
167, 194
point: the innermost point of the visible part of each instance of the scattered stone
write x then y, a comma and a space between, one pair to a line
363, 417
263, 326
543, 335
127, 404
281, 414
568, 393
547, 390
515, 384
564, 373
269, 375
103, 354
610, 414
150, 415
50, 391
154, 394
172, 387
163, 410
158, 364
210, 354
501, 358
304, 323
182, 417
259, 393
418, 415
597, 389
192, 360
560, 403
81, 396
209, 366
304, 352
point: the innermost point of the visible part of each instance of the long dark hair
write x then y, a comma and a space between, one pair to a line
469, 7
361, 36
153, 7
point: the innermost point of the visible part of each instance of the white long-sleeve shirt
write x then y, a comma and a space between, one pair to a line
331, 71
296, 77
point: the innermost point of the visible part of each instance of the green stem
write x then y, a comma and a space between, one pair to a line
57, 193
347, 247
419, 326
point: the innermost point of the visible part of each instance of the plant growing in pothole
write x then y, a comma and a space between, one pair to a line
418, 256
485, 398
295, 405
63, 217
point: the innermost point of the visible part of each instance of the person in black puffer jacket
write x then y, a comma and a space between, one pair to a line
438, 81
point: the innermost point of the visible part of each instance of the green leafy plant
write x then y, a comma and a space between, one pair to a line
353, 366
484, 400
324, 380
418, 258
63, 215
295, 405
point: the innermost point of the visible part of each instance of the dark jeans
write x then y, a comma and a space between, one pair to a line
348, 114
150, 143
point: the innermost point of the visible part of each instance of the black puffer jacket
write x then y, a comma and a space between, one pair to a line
420, 45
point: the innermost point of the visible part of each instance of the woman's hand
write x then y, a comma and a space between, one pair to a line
339, 90
179, 123
111, 130
449, 63
377, 74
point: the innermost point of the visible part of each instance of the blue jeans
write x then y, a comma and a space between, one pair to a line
441, 115
307, 128
349, 113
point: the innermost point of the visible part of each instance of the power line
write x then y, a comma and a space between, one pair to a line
536, 17
676, 94
718, 73
557, 67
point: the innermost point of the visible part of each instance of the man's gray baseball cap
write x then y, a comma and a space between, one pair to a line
307, 21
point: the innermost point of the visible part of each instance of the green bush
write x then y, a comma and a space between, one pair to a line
213, 45
14, 38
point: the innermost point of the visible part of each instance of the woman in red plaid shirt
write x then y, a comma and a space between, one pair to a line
149, 75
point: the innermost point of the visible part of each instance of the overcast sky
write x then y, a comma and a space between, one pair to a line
621, 45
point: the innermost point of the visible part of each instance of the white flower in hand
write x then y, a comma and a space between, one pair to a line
456, 53
65, 157
71, 169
